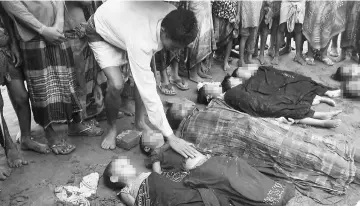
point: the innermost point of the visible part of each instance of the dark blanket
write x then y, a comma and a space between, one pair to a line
275, 93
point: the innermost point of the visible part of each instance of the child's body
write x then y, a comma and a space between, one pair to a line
230, 176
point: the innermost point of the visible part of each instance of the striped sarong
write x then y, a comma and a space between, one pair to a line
308, 160
51, 81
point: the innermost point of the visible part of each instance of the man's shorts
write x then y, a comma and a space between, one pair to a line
105, 54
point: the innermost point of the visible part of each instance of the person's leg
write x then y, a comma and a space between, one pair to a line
14, 158
77, 128
264, 33
298, 41
175, 78
57, 144
287, 48
256, 48
5, 171
112, 103
320, 99
244, 34
227, 55
273, 37
334, 46
140, 112
324, 58
165, 86
319, 123
20, 100
280, 35
326, 115
250, 45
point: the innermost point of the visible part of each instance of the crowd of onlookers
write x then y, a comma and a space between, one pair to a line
44, 44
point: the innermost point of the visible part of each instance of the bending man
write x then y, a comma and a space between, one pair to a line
123, 33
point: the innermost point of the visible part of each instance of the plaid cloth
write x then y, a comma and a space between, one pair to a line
51, 81
307, 159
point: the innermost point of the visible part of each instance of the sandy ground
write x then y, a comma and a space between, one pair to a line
34, 184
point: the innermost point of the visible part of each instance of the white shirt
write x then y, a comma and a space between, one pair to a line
135, 27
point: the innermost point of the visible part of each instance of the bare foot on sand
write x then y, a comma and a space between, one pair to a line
28, 143
333, 93
299, 59
332, 123
142, 126
14, 157
241, 62
327, 115
271, 52
5, 170
275, 60
109, 141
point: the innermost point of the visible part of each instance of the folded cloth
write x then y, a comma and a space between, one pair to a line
76, 195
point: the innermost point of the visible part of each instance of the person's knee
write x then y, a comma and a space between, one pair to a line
115, 87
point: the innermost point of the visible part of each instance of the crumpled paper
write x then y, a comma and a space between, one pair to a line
79, 195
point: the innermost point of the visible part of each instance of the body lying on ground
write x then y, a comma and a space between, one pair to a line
317, 165
187, 188
228, 176
268, 92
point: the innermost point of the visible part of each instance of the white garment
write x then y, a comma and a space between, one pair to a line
135, 27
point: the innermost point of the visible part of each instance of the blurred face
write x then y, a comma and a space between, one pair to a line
180, 110
247, 71
212, 91
122, 170
234, 81
152, 140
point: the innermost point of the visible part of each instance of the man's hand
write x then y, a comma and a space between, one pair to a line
15, 54
183, 147
53, 35
284, 120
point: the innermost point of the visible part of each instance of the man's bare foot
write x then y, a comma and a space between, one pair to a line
28, 143
142, 126
299, 59
194, 76
241, 62
275, 60
327, 115
5, 170
285, 50
248, 59
333, 93
14, 157
203, 72
109, 141
331, 123
226, 66
262, 60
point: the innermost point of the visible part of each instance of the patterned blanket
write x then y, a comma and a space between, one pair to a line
308, 160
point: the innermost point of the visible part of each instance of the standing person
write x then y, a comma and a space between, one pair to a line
249, 18
291, 17
49, 70
348, 42
125, 32
226, 29
323, 20
201, 50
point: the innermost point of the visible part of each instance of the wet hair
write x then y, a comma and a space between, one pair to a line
106, 176
142, 148
181, 26
234, 73
226, 84
201, 96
